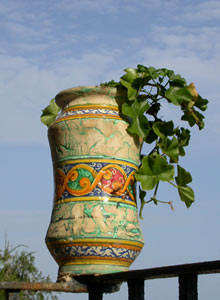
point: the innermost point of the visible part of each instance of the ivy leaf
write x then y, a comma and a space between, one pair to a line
127, 80
176, 80
183, 136
201, 103
199, 119
186, 195
135, 111
178, 94
110, 83
187, 116
154, 168
170, 148
193, 117
183, 177
150, 72
151, 136
142, 69
154, 74
154, 109
132, 93
165, 72
181, 151
131, 75
163, 129
50, 113
185, 192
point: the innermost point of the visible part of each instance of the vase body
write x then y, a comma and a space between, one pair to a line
94, 225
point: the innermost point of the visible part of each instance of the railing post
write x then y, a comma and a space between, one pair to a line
95, 293
135, 289
188, 287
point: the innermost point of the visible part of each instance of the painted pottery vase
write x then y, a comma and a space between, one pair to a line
94, 225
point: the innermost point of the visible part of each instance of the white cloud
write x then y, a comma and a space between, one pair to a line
27, 89
8, 6
31, 47
24, 31
49, 63
199, 41
195, 52
99, 6
23, 25
203, 11
114, 7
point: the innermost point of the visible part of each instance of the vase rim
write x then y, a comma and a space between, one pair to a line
67, 95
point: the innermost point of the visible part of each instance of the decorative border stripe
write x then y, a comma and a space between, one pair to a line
88, 116
98, 261
99, 160
103, 199
95, 178
91, 106
85, 252
98, 241
95, 244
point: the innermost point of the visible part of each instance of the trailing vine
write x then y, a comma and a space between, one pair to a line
148, 91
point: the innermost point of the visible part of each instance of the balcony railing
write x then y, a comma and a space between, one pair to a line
97, 285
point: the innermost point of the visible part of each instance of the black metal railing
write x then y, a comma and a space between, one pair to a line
97, 285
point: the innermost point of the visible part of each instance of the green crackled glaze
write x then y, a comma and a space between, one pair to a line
92, 137
94, 214
85, 269
111, 225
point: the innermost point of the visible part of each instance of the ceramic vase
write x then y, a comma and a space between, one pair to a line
94, 225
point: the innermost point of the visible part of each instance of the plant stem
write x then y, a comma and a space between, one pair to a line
173, 184
155, 191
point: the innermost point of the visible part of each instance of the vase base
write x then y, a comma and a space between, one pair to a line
84, 281
66, 273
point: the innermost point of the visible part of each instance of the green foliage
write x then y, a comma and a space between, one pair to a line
135, 111
111, 83
49, 113
185, 192
20, 266
154, 168
148, 89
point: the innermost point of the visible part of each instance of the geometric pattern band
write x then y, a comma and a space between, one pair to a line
79, 253
89, 111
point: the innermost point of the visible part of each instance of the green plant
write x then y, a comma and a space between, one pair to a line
20, 266
148, 91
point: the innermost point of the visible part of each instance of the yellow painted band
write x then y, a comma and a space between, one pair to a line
91, 106
96, 241
96, 261
97, 160
103, 199
87, 116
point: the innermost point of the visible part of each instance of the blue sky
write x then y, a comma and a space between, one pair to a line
47, 46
